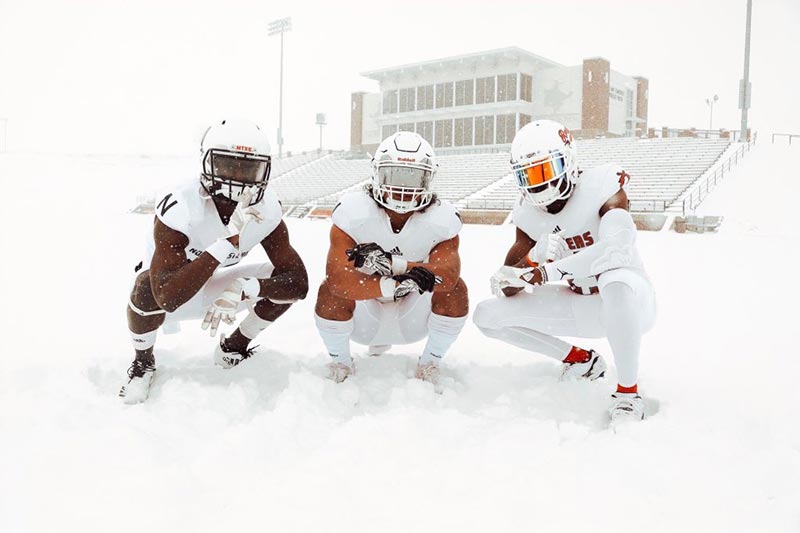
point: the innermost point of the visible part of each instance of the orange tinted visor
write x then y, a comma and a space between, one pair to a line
540, 173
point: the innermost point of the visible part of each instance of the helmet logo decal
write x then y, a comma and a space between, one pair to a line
407, 159
240, 148
566, 136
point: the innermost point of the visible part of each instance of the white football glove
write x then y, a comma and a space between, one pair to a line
246, 220
508, 276
549, 247
224, 307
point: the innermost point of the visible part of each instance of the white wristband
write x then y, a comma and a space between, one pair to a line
221, 250
399, 265
251, 287
387, 287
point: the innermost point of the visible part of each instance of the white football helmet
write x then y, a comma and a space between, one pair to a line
543, 161
403, 169
235, 155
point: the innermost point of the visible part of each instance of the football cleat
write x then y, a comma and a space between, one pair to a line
594, 368
625, 407
229, 359
140, 377
338, 372
429, 372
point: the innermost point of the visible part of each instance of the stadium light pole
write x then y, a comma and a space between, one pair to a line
744, 87
321, 122
275, 27
710, 102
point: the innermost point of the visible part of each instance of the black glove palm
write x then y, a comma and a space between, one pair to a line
418, 278
370, 258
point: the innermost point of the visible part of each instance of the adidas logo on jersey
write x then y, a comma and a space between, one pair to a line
395, 251
556, 229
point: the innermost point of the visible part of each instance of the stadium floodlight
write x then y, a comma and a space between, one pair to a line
710, 103
279, 27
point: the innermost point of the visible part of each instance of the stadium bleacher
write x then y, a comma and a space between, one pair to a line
661, 170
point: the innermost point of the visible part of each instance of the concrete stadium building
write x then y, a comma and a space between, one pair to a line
477, 102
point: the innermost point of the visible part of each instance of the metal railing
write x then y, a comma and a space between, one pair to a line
790, 135
674, 133
701, 190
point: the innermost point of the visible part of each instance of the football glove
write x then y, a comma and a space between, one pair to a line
550, 247
508, 276
370, 258
224, 308
418, 279
245, 221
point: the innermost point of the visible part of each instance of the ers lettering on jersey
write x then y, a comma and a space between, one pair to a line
576, 242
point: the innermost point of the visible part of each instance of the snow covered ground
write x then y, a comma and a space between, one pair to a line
272, 446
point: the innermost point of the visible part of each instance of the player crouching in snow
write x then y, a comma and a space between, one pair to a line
202, 230
572, 226
393, 269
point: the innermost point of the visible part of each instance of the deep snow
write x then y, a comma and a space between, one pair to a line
273, 446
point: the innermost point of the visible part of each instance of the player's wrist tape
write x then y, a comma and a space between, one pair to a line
221, 249
399, 266
550, 272
251, 287
387, 287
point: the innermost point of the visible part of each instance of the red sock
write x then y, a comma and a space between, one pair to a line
633, 389
577, 355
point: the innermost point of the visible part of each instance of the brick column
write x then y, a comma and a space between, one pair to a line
642, 101
596, 78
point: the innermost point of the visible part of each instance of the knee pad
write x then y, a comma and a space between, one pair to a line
626, 276
484, 315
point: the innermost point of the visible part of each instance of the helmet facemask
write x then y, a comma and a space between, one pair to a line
403, 187
228, 174
545, 180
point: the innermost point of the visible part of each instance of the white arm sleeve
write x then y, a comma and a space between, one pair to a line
615, 248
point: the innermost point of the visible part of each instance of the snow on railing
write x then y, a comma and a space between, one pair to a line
701, 190
790, 135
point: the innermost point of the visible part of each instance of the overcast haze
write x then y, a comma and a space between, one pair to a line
147, 77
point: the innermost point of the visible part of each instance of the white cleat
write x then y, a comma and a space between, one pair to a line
625, 407
379, 349
429, 372
338, 372
140, 377
594, 368
230, 359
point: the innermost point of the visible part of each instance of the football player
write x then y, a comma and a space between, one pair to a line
393, 268
202, 230
572, 226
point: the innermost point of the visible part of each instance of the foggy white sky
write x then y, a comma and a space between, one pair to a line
148, 76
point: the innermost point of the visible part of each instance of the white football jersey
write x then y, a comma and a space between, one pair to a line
579, 221
358, 215
189, 209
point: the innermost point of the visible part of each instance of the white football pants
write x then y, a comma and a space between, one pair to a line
623, 310
199, 304
403, 322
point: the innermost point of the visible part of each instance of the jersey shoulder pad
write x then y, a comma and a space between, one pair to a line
527, 217
606, 180
444, 219
177, 207
270, 209
353, 210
